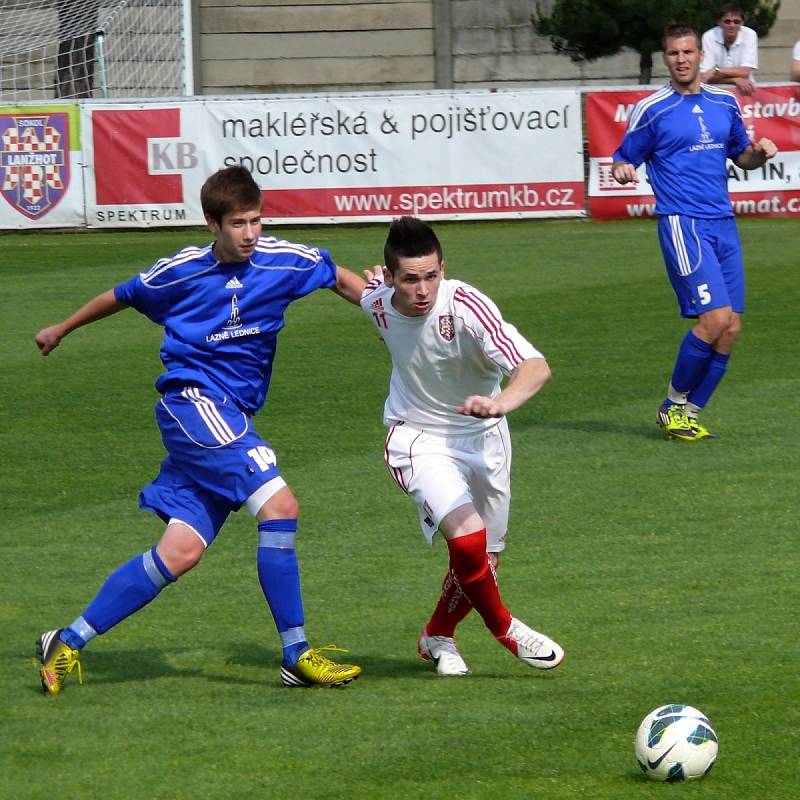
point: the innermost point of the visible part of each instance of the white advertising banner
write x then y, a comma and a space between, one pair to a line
41, 167
329, 158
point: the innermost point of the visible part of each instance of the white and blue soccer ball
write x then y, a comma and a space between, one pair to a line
676, 743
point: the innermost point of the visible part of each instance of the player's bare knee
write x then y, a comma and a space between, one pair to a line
461, 521
180, 548
282, 505
712, 325
734, 328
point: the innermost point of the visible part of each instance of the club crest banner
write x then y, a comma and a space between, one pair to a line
39, 151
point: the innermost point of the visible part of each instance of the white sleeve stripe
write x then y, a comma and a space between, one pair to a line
492, 324
165, 264
268, 242
286, 247
644, 104
147, 280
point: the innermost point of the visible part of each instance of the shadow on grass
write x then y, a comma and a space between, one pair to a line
127, 666
251, 654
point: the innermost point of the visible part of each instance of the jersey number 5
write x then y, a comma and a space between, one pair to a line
703, 294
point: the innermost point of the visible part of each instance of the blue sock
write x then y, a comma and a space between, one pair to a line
279, 576
125, 591
691, 366
716, 370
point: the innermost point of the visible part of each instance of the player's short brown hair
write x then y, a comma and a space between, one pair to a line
677, 30
409, 237
229, 189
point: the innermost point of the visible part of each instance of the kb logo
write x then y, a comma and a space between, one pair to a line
168, 156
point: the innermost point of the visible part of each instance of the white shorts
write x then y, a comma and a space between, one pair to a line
443, 473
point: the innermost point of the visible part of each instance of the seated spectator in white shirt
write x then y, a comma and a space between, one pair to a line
795, 76
730, 51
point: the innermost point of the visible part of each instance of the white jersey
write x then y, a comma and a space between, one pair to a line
742, 53
461, 347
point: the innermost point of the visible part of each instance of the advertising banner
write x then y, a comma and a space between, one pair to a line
329, 158
772, 190
40, 167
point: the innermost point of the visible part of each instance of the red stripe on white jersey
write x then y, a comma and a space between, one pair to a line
371, 286
492, 323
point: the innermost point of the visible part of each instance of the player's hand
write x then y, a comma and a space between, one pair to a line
477, 405
765, 146
624, 172
375, 273
49, 338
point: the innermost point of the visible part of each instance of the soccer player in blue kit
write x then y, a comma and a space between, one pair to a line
684, 132
221, 307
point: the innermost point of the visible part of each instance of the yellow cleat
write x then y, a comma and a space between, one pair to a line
673, 419
315, 669
57, 660
700, 431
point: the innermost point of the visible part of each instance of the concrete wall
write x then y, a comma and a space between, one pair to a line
248, 46
275, 46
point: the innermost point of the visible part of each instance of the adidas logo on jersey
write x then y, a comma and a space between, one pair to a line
378, 303
697, 109
234, 283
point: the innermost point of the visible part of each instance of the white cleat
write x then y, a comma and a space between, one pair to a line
443, 652
530, 646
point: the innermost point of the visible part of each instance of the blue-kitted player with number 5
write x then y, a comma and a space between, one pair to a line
221, 307
684, 132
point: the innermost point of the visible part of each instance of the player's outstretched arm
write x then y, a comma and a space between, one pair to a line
528, 378
348, 285
757, 154
101, 306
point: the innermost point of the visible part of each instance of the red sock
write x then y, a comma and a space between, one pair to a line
452, 607
469, 561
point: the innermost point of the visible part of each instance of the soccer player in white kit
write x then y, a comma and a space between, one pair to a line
448, 445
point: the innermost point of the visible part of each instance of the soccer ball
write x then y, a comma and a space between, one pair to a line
676, 743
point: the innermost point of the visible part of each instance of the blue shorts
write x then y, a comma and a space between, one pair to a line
215, 460
704, 263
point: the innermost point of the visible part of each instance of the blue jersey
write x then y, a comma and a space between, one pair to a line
685, 141
221, 321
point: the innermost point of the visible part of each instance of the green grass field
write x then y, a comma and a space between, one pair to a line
667, 570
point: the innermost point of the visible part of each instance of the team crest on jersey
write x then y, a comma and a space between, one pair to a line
705, 134
233, 328
447, 329
233, 321
705, 140
34, 161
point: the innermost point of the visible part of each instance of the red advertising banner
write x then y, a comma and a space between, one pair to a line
554, 198
772, 190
